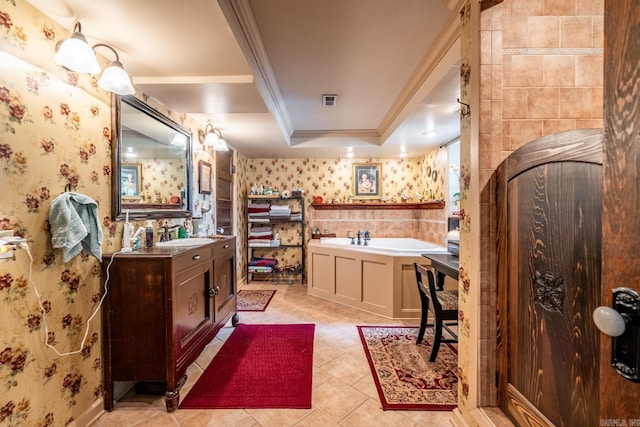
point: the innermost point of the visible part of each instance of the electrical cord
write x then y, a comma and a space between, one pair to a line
24, 246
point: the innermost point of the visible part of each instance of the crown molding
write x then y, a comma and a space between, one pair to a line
241, 19
354, 137
235, 79
413, 92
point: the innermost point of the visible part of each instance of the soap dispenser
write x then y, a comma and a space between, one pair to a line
148, 241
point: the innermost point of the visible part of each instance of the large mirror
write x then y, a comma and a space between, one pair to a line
151, 163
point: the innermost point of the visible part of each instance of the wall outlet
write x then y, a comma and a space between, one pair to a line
6, 233
6, 250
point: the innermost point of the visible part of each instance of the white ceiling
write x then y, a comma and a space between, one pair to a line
257, 69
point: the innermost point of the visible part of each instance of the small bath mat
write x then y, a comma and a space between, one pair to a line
259, 366
254, 300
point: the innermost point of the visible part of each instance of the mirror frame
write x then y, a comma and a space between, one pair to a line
116, 163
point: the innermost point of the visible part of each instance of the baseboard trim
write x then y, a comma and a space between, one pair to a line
457, 419
91, 415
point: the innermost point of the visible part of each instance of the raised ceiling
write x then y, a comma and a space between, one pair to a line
257, 69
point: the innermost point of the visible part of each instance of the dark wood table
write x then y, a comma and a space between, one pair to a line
445, 265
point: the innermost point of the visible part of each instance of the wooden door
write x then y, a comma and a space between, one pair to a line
550, 198
224, 192
621, 191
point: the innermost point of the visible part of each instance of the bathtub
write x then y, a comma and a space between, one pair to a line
378, 278
391, 245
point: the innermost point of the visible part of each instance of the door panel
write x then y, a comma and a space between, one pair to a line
554, 277
224, 192
549, 204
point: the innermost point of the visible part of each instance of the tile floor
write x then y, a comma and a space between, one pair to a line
344, 393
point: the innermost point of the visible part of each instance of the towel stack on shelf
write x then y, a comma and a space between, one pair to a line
296, 216
280, 211
263, 265
260, 236
258, 212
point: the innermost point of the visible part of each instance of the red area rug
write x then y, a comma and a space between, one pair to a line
254, 300
404, 377
259, 366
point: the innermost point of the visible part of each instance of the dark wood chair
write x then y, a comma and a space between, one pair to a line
445, 310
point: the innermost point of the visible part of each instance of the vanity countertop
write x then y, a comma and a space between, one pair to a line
160, 251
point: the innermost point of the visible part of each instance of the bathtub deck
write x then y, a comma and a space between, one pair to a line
371, 280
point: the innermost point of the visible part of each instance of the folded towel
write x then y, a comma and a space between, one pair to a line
73, 218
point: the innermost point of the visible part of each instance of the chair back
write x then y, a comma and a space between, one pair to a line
443, 301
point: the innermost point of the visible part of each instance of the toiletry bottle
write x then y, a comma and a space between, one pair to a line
188, 227
137, 238
148, 242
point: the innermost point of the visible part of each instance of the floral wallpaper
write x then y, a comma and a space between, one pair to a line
332, 180
466, 310
162, 178
55, 130
55, 134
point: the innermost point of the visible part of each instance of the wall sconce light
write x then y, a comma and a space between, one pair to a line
75, 54
465, 109
114, 78
212, 137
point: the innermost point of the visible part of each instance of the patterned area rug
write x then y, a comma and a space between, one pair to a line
404, 377
259, 366
254, 300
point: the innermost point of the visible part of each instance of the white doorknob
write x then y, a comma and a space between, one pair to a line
609, 321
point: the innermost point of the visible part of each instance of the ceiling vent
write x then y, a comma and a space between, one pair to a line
329, 100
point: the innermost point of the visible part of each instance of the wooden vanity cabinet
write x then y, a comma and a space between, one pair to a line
162, 308
224, 278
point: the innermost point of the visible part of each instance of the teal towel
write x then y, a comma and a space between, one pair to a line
73, 218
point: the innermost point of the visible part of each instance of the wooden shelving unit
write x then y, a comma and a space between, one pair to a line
264, 250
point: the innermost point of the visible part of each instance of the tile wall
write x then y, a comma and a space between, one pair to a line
541, 72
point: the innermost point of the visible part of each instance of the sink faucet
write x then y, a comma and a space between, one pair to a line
166, 234
359, 234
366, 237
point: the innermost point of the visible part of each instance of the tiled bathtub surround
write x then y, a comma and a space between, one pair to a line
424, 224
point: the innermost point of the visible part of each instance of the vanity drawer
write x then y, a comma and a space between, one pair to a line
224, 249
192, 257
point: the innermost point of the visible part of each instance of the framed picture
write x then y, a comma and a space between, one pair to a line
130, 181
205, 177
367, 180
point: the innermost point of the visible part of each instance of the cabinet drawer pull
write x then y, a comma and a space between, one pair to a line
195, 257
225, 246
